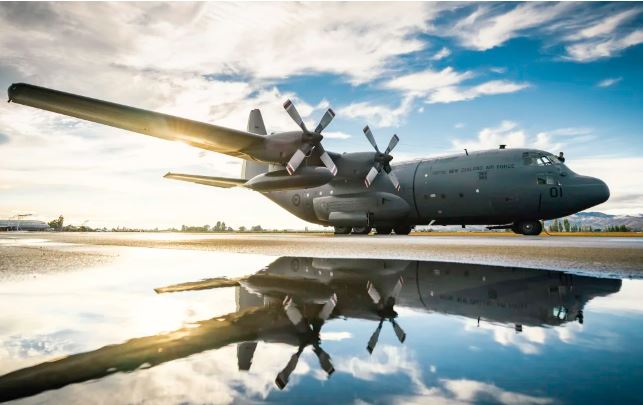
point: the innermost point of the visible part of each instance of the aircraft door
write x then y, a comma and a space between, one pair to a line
550, 192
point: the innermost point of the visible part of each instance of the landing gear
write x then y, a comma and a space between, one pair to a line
342, 230
531, 228
383, 230
402, 229
362, 230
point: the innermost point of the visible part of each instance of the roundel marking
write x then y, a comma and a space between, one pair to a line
296, 200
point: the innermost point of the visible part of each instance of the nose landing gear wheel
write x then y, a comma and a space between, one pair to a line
342, 230
402, 230
362, 230
383, 230
530, 228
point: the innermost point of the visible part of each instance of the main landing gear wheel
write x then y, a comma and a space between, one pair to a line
383, 230
362, 230
531, 228
342, 230
402, 229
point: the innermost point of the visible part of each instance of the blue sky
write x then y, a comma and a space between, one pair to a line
443, 76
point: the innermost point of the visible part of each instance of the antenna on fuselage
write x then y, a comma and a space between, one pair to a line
466, 151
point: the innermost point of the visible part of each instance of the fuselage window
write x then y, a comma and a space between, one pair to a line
545, 180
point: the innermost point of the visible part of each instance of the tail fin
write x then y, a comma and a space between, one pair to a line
250, 169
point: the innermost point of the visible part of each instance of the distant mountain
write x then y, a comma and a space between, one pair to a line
599, 220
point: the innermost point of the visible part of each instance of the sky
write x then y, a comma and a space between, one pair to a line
443, 76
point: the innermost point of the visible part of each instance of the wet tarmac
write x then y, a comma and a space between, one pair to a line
167, 318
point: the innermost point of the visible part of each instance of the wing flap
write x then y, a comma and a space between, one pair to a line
223, 182
201, 135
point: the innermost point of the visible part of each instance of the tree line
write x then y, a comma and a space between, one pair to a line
566, 226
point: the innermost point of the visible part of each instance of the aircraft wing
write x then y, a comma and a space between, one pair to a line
201, 135
223, 182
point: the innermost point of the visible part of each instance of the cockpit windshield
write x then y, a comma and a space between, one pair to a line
539, 159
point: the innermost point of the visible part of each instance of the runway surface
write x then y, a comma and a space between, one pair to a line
620, 256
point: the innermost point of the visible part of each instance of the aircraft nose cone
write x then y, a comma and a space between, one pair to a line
602, 191
598, 191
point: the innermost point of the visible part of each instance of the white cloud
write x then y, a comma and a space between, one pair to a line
509, 133
445, 86
589, 33
424, 82
486, 28
473, 391
451, 94
336, 135
378, 115
441, 54
609, 82
604, 25
603, 48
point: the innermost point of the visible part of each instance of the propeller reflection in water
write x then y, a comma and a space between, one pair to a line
292, 299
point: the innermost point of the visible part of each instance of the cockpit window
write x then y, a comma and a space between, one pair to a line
538, 159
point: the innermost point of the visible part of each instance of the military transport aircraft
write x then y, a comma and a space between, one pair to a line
292, 299
355, 192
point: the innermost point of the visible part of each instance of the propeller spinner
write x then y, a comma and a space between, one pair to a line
310, 140
382, 160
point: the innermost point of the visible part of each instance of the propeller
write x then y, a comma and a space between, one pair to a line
310, 140
284, 375
324, 359
382, 160
328, 308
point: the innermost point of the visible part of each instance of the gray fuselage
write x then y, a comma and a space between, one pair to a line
489, 187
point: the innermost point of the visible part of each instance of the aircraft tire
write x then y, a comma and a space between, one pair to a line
530, 228
342, 230
362, 230
384, 230
402, 229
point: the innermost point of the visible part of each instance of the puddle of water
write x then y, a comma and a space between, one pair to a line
226, 328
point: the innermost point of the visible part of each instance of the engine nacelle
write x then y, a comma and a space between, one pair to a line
304, 177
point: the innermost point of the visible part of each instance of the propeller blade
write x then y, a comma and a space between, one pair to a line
372, 292
326, 159
392, 144
394, 180
293, 314
372, 342
295, 161
398, 287
292, 111
284, 375
399, 332
328, 308
324, 359
326, 119
371, 139
368, 180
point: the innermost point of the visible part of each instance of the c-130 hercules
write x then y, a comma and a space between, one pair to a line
355, 192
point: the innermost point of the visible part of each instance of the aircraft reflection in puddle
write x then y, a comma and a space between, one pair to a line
290, 300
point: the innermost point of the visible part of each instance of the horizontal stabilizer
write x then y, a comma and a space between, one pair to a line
206, 284
223, 182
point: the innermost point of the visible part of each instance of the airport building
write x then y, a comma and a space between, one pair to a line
23, 225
